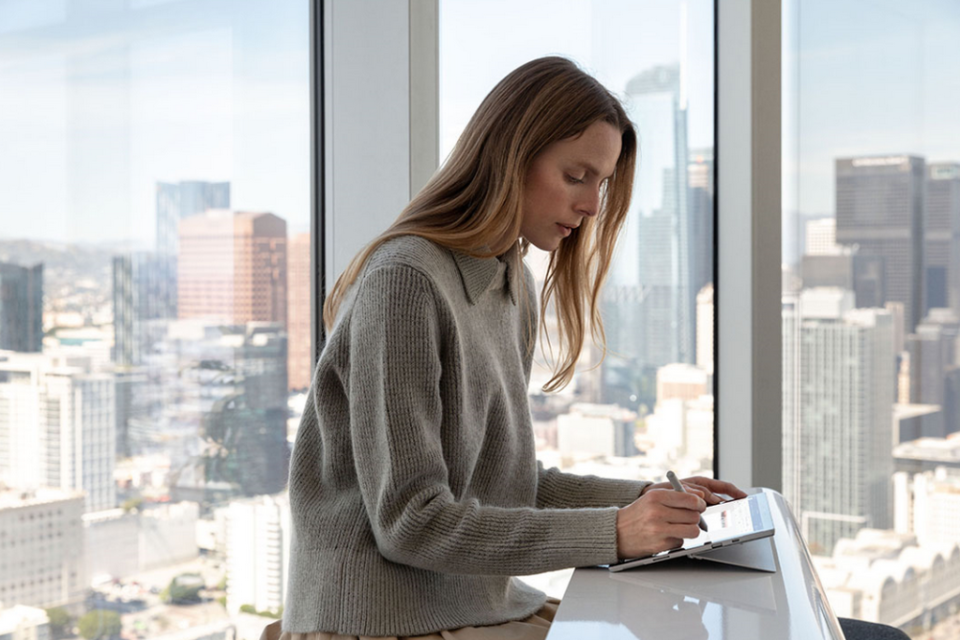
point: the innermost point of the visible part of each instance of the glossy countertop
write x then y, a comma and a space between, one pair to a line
695, 600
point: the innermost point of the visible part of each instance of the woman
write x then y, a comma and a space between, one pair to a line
414, 488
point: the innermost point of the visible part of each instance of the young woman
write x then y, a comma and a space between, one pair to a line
414, 487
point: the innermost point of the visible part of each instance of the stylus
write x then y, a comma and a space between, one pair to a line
672, 477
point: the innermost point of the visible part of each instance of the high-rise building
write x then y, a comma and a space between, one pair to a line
649, 307
705, 321
229, 386
934, 364
880, 202
232, 267
700, 203
847, 269
57, 427
299, 293
838, 377
177, 201
139, 299
941, 246
42, 553
258, 552
21, 307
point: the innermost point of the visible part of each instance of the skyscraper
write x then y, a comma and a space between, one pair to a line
139, 297
232, 267
838, 377
941, 247
299, 294
654, 261
21, 307
880, 203
700, 203
175, 202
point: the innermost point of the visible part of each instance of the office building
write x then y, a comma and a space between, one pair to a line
175, 202
682, 381
181, 200
258, 553
20, 622
649, 306
42, 551
232, 267
914, 421
58, 423
879, 202
299, 295
681, 431
700, 200
821, 237
838, 377
705, 322
847, 269
21, 307
227, 384
935, 507
591, 430
140, 299
941, 246
933, 354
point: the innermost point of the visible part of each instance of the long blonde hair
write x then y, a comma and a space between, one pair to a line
473, 203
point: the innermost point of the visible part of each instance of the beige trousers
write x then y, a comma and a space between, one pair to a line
533, 628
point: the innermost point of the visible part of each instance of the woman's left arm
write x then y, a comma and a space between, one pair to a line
559, 490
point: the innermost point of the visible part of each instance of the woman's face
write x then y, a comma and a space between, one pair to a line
563, 184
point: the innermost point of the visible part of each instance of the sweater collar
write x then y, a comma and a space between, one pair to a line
480, 275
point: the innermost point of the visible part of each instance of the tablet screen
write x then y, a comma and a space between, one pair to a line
727, 523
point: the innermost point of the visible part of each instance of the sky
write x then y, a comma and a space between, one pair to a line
97, 104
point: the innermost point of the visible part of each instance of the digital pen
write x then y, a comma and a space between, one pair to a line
672, 477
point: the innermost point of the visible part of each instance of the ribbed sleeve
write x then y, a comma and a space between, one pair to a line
556, 489
397, 418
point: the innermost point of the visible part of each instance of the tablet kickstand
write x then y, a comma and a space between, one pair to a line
756, 554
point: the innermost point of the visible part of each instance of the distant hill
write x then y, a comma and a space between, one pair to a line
68, 269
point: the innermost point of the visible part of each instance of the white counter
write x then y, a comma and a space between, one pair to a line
688, 599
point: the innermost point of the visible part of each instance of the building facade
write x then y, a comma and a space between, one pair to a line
838, 391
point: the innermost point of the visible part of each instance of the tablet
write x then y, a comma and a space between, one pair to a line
728, 523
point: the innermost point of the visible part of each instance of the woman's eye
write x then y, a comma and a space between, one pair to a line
574, 180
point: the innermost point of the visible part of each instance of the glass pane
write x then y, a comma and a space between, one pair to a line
648, 406
154, 309
871, 304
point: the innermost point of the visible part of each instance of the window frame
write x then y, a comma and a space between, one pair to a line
395, 48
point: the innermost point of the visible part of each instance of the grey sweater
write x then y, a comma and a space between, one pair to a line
414, 487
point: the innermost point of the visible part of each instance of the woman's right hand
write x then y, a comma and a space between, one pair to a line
659, 520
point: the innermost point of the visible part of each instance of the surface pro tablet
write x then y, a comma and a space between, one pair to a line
728, 523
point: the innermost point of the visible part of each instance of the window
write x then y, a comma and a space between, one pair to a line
871, 302
155, 292
649, 406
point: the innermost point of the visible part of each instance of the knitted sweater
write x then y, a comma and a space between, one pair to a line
414, 489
